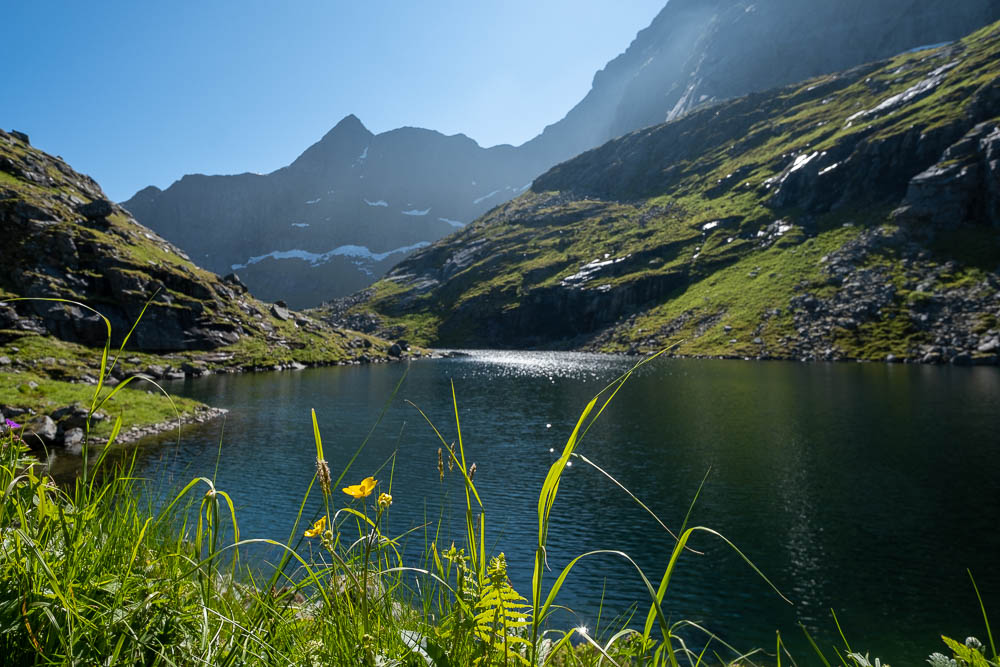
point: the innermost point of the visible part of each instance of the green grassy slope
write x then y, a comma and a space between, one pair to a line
762, 227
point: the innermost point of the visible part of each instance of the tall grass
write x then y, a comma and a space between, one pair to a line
94, 573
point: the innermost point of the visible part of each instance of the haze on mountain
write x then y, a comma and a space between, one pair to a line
355, 203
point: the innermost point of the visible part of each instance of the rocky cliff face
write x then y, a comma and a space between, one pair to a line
64, 240
850, 216
354, 204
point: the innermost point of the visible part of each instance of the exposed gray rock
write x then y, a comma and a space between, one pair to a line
96, 210
234, 280
962, 187
280, 313
74, 416
41, 431
73, 440
194, 369
991, 345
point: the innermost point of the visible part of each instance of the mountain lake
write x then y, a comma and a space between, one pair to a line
866, 489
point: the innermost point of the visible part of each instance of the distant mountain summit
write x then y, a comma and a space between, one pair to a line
355, 203
351, 206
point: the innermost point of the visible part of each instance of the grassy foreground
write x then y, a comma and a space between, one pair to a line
97, 574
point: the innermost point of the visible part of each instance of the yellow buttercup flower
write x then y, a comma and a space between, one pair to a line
317, 527
362, 490
384, 500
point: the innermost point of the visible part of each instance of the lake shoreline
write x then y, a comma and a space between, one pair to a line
985, 361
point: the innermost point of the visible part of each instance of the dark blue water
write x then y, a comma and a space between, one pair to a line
863, 488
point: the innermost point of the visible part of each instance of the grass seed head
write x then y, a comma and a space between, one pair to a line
323, 473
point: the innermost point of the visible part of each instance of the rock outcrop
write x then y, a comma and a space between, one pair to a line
962, 187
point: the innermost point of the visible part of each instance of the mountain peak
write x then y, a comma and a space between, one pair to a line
350, 125
343, 141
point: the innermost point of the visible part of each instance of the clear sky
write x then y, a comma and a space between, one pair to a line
137, 93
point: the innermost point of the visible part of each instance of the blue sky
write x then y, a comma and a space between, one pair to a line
137, 93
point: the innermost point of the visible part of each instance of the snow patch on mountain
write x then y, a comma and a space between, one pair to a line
453, 223
315, 259
927, 47
485, 197
380, 202
414, 211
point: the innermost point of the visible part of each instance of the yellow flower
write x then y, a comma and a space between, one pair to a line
384, 500
362, 490
317, 527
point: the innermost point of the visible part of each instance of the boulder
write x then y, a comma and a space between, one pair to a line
234, 281
41, 431
193, 369
280, 312
73, 440
155, 371
71, 416
961, 359
99, 209
991, 345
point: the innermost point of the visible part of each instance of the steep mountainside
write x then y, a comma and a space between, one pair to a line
856, 215
64, 240
355, 203
696, 52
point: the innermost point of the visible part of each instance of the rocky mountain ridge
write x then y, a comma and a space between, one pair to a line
354, 204
850, 216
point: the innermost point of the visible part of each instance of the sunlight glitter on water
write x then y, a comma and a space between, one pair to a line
550, 365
